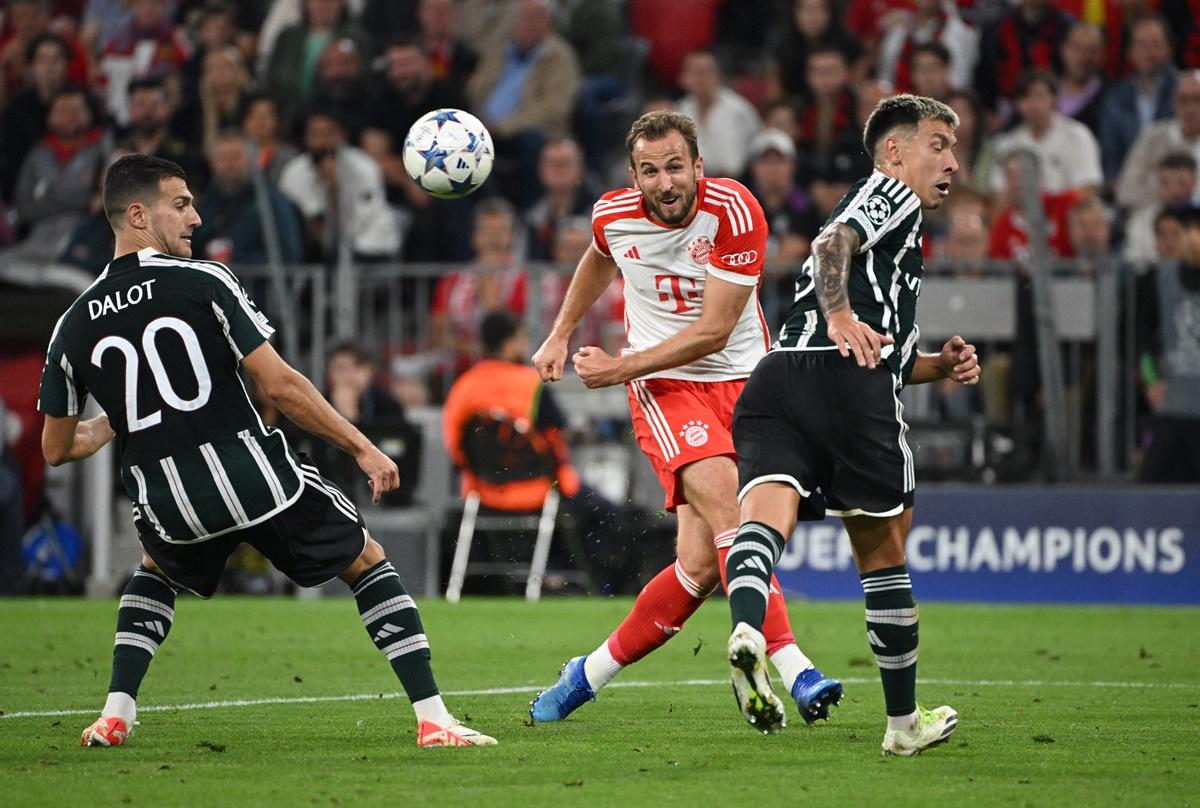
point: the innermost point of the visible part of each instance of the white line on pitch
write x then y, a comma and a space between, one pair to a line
530, 688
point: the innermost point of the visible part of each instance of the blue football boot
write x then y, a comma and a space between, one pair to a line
566, 696
814, 693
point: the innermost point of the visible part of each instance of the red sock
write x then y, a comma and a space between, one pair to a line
661, 609
777, 628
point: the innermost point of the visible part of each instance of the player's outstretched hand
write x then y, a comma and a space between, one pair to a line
854, 336
960, 361
380, 470
550, 358
596, 368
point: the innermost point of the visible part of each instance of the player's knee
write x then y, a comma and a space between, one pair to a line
703, 572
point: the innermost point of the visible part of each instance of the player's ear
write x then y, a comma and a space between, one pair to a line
137, 215
699, 166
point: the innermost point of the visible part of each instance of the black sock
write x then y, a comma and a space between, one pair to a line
748, 569
391, 620
144, 618
892, 631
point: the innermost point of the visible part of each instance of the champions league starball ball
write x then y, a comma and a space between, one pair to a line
448, 152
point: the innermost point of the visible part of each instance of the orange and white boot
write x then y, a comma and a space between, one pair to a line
431, 734
106, 731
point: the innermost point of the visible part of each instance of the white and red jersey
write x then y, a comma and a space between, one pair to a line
665, 270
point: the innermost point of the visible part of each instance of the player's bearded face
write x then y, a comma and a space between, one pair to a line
666, 175
173, 219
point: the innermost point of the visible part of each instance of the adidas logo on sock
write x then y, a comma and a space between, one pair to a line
874, 639
153, 625
754, 563
670, 631
387, 631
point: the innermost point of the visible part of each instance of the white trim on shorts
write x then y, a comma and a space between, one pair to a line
899, 509
773, 478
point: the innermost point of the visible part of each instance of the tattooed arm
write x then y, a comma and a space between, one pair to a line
832, 251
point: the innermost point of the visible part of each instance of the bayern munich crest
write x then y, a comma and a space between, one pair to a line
695, 432
700, 248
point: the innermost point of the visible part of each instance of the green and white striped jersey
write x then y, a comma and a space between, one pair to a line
157, 340
885, 273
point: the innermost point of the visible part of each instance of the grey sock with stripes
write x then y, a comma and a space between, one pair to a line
391, 619
752, 557
144, 618
892, 632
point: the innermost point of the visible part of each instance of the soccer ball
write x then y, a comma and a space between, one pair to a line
448, 152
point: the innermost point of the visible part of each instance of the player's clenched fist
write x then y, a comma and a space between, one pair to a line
550, 358
380, 470
597, 368
960, 361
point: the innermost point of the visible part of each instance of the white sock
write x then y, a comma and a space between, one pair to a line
790, 661
904, 722
432, 709
599, 668
122, 706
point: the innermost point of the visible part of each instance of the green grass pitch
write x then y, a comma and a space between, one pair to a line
1059, 706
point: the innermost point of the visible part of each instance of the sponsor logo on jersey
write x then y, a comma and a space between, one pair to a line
700, 248
695, 433
878, 208
742, 259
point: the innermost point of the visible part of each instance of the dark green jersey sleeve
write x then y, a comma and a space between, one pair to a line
881, 205
244, 325
62, 394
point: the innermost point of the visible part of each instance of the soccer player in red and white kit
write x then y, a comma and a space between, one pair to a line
691, 251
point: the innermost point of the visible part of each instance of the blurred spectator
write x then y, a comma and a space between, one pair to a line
1184, 24
1168, 234
352, 390
1068, 154
604, 322
1135, 186
788, 209
1009, 237
1028, 36
149, 46
59, 176
1081, 82
828, 125
928, 69
341, 85
24, 120
231, 229
493, 281
224, 88
1176, 187
813, 23
674, 28
338, 187
24, 22
100, 21
567, 192
91, 245
1090, 228
525, 92
451, 59
595, 31
976, 152
148, 133
1170, 361
260, 124
931, 22
966, 243
216, 29
725, 121
439, 230
1142, 97
291, 69
868, 19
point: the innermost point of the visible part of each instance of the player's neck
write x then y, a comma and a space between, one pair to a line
894, 174
126, 244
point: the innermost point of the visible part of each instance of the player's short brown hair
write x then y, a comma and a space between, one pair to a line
903, 111
135, 178
657, 124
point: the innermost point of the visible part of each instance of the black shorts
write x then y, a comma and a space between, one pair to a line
311, 541
830, 429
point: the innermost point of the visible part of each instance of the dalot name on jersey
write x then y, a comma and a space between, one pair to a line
119, 301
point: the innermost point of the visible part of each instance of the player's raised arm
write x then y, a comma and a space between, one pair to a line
832, 251
721, 306
296, 398
593, 275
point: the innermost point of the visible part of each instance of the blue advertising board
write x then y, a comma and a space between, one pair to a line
1026, 544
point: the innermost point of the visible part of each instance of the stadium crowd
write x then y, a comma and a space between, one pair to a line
1105, 92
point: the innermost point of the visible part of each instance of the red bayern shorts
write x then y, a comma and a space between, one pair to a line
679, 422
